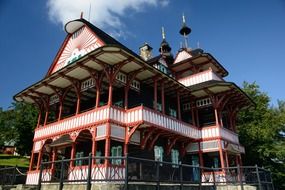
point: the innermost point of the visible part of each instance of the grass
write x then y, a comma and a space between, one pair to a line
10, 160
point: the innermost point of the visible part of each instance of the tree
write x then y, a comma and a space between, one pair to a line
18, 124
261, 129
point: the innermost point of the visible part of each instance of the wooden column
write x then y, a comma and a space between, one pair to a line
107, 143
221, 154
60, 109
94, 144
72, 155
193, 115
155, 94
39, 159
200, 155
46, 115
227, 159
162, 98
78, 104
126, 91
53, 158
39, 118
178, 105
197, 117
126, 141
110, 96
31, 161
217, 117
98, 90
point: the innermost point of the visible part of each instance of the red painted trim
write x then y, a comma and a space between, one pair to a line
58, 55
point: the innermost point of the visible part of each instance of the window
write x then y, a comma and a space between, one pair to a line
79, 155
172, 112
99, 154
158, 153
175, 158
116, 152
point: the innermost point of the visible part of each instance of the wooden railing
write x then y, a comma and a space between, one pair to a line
214, 131
199, 78
139, 114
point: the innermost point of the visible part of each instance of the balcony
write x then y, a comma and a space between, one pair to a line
214, 132
131, 117
199, 78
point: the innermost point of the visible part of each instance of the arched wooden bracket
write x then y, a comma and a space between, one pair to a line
151, 144
130, 133
170, 146
146, 137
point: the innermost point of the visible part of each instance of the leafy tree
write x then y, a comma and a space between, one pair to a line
18, 124
261, 129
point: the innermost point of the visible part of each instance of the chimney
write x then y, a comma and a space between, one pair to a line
145, 52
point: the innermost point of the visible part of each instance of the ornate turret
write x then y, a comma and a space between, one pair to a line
165, 49
185, 30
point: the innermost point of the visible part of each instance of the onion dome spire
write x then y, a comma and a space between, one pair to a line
185, 30
164, 46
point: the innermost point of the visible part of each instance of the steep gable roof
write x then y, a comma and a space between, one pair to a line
82, 38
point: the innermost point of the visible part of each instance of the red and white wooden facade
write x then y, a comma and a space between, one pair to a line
91, 66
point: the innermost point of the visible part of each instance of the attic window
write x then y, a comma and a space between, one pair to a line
77, 33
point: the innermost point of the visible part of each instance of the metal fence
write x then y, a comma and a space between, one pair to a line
12, 175
139, 172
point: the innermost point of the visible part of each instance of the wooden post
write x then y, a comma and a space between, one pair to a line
221, 155
98, 91
162, 98
200, 156
227, 159
126, 103
178, 105
193, 115
31, 162
78, 104
107, 143
217, 117
46, 115
155, 94
53, 158
60, 109
72, 156
39, 159
110, 96
39, 118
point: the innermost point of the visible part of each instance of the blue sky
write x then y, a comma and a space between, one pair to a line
247, 36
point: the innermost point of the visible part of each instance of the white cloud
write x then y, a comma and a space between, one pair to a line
104, 13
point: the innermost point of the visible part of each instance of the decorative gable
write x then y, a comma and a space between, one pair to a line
182, 55
78, 44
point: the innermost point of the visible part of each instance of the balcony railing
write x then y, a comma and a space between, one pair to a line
132, 116
214, 131
199, 78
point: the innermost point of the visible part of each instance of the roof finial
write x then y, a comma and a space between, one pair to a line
81, 14
163, 33
185, 30
183, 18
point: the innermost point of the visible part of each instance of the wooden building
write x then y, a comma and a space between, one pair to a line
100, 97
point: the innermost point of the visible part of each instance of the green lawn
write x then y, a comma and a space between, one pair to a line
9, 160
